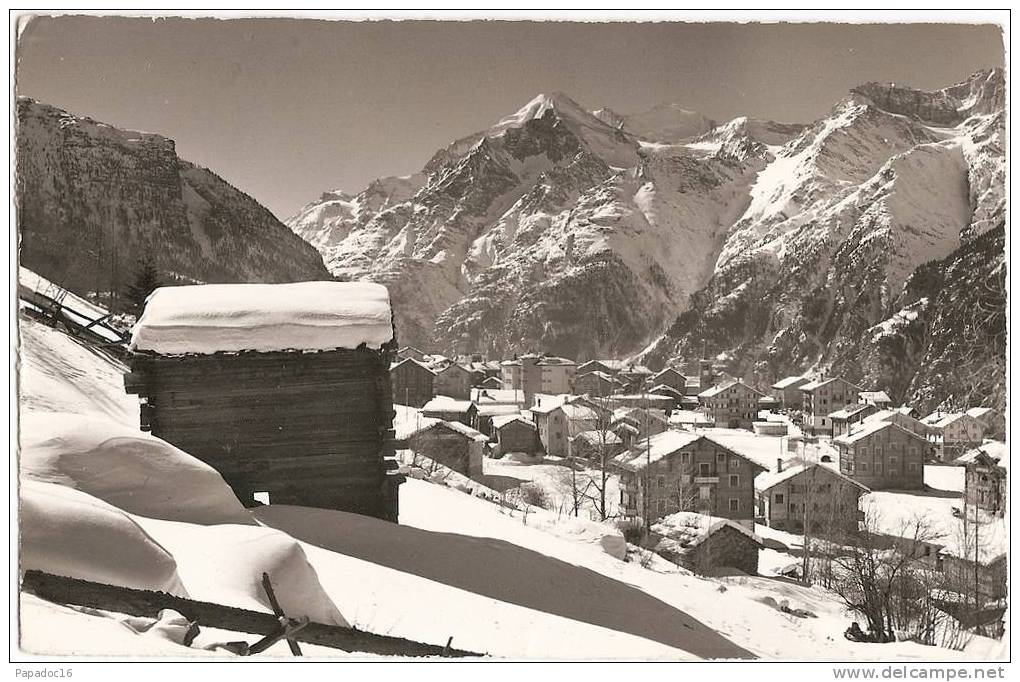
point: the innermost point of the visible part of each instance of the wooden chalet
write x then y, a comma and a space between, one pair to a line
282, 388
706, 545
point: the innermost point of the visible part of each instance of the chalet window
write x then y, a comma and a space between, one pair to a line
913, 452
734, 462
823, 421
912, 466
863, 466
704, 469
793, 508
894, 472
734, 504
779, 498
893, 459
661, 481
720, 457
864, 451
685, 458
704, 492
734, 480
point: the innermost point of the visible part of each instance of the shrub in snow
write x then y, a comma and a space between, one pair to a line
131, 470
67, 532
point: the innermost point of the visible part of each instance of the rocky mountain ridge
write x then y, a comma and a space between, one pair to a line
92, 199
776, 245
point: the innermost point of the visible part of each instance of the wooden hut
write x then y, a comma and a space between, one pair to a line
282, 388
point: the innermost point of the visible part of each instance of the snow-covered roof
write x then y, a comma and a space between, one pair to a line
553, 360
811, 386
462, 429
442, 403
578, 412
689, 529
599, 438
658, 446
502, 420
497, 395
668, 370
978, 412
719, 388
941, 420
898, 514
663, 388
495, 409
769, 479
849, 411
212, 318
875, 396
412, 360
666, 443
690, 417
867, 428
895, 416
997, 451
788, 382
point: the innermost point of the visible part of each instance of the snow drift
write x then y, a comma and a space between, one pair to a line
70, 533
126, 468
225, 563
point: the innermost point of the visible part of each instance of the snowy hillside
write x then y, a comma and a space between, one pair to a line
495, 581
595, 234
93, 198
846, 227
555, 228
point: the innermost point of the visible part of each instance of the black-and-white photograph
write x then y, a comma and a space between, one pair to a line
472, 338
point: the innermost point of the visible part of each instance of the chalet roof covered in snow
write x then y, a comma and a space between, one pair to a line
978, 412
598, 438
442, 403
789, 382
812, 386
719, 388
849, 411
690, 529
770, 479
940, 420
412, 361
865, 429
310, 316
875, 397
502, 420
993, 449
506, 396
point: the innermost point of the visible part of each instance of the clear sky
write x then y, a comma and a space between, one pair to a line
285, 109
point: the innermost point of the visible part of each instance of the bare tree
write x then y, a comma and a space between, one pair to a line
880, 576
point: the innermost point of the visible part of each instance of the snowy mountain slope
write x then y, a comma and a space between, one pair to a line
592, 234
93, 198
551, 229
846, 215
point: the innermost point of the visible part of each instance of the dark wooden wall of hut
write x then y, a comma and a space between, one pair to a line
309, 428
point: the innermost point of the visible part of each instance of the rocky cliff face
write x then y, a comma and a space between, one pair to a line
553, 229
866, 244
779, 246
93, 198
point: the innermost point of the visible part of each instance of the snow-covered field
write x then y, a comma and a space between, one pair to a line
497, 582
